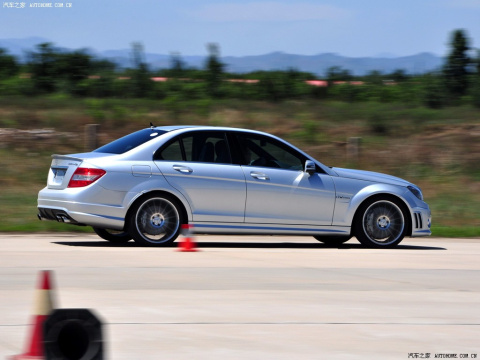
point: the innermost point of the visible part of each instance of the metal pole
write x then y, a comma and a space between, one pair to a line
91, 138
353, 148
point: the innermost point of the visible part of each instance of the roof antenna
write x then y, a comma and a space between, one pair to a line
151, 125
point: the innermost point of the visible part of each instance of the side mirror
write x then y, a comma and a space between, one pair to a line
310, 167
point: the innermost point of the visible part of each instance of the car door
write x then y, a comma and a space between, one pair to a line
199, 165
279, 191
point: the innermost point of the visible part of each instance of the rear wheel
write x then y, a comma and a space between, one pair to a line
114, 236
155, 221
333, 240
380, 223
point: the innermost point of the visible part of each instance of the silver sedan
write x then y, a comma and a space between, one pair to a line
145, 185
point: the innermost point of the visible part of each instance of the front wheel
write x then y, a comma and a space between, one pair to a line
155, 221
380, 223
114, 236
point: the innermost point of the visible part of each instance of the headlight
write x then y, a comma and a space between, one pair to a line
416, 191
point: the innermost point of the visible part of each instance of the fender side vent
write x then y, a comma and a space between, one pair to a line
418, 221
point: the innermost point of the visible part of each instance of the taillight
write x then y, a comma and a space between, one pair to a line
85, 176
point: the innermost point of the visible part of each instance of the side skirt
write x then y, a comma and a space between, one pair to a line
267, 229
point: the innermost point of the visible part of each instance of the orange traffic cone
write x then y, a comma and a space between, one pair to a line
188, 243
43, 306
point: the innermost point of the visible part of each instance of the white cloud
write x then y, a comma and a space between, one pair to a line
268, 11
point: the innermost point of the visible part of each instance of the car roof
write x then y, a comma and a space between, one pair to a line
207, 127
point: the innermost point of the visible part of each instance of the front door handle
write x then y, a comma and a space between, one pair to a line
182, 169
259, 175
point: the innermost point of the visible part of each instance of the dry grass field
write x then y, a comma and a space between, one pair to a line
439, 150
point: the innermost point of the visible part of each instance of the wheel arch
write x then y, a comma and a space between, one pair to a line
184, 209
395, 198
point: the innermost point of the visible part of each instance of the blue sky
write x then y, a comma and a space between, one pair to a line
347, 27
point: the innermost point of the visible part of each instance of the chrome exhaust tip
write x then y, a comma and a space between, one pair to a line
63, 219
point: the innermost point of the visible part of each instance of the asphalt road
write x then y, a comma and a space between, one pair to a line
253, 297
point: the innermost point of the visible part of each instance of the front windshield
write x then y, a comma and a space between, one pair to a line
130, 141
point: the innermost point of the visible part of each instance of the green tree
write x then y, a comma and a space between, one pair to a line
141, 77
102, 66
336, 73
8, 65
43, 67
73, 68
476, 83
456, 68
375, 77
177, 66
214, 71
433, 91
398, 76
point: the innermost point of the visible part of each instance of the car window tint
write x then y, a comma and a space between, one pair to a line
188, 146
130, 141
198, 146
262, 151
172, 152
207, 146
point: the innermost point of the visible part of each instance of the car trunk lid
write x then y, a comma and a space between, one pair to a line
61, 170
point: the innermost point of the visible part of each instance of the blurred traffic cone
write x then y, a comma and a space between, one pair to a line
42, 307
188, 243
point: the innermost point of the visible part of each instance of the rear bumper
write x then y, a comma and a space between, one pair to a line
57, 215
80, 218
64, 206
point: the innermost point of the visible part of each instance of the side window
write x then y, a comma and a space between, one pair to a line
197, 146
262, 151
172, 152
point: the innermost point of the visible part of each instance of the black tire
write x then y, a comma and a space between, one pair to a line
114, 236
381, 223
333, 240
155, 220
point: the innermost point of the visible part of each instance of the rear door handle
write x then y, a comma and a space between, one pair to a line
259, 175
182, 169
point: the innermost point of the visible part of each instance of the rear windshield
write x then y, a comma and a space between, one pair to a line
130, 141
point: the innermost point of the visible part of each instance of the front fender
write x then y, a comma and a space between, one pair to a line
350, 194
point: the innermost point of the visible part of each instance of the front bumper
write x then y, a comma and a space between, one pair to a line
421, 222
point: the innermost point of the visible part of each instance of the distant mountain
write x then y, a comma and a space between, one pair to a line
317, 64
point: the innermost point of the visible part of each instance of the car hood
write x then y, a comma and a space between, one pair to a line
370, 176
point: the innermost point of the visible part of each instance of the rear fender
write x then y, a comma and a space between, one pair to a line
156, 184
